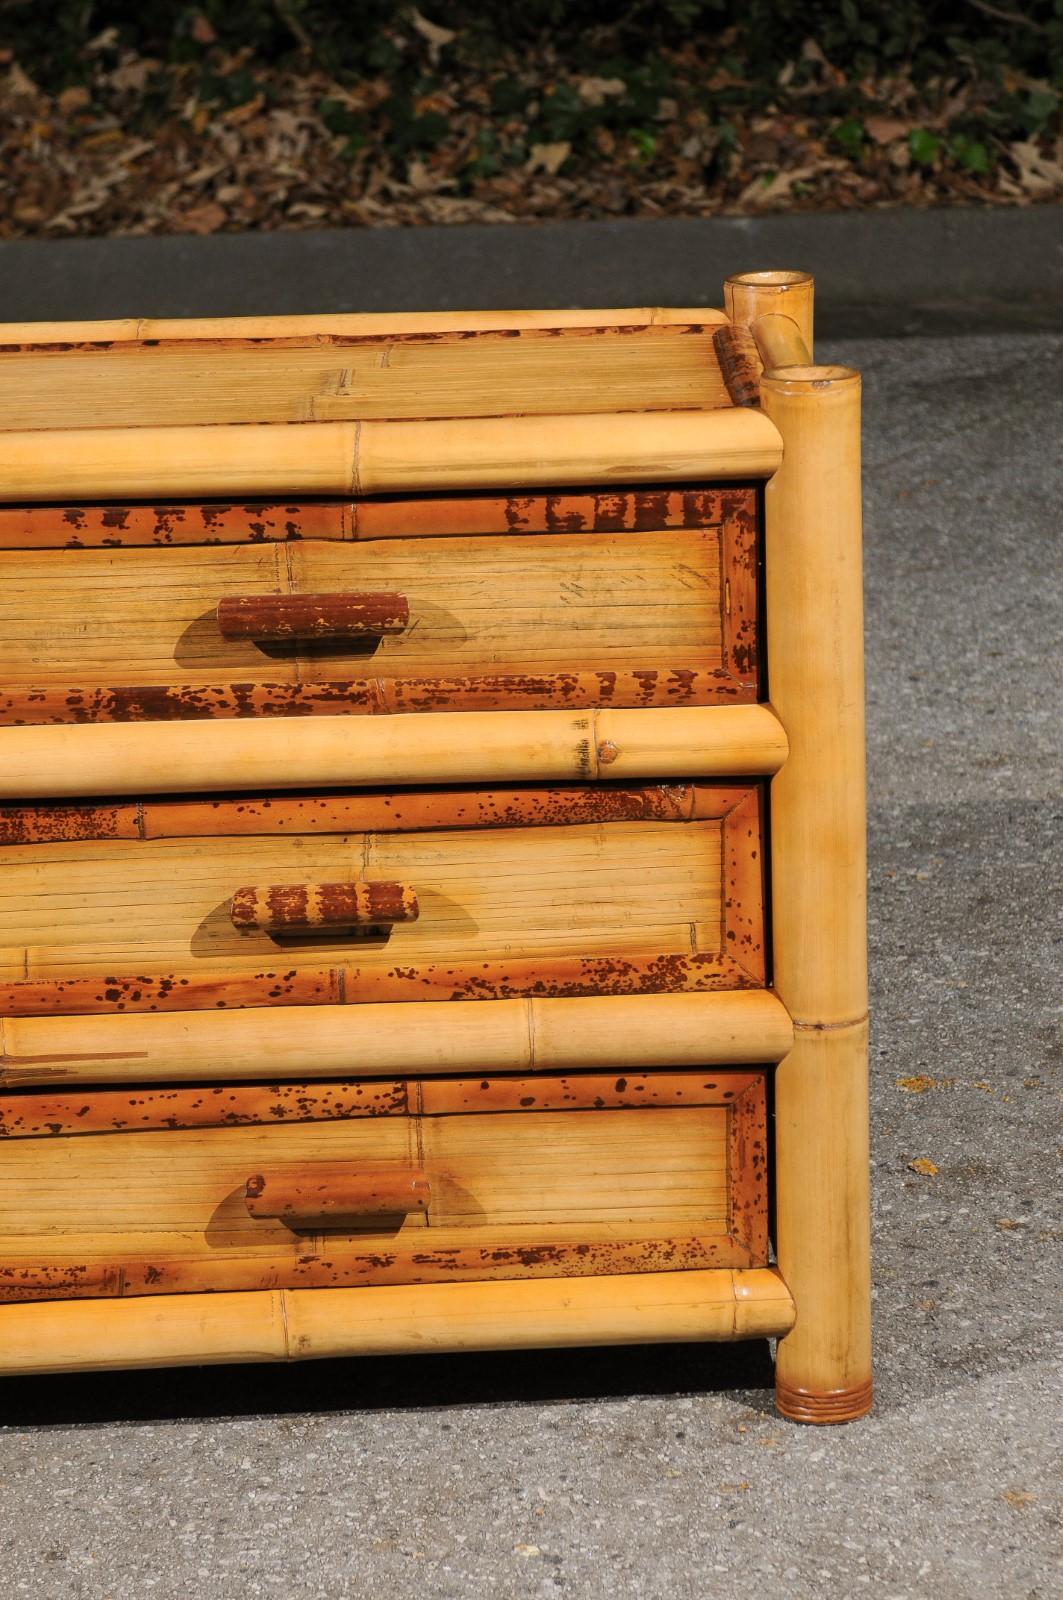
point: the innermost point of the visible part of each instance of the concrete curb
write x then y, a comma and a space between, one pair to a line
885, 273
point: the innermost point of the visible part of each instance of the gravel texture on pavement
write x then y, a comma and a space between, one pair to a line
663, 1472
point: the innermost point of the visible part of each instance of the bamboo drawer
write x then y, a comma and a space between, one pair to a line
319, 899
380, 1182
643, 598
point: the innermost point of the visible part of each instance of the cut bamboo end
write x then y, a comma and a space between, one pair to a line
285, 617
308, 1324
261, 459
779, 342
749, 295
307, 908
736, 1027
140, 758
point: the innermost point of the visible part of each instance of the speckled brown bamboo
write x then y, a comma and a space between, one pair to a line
306, 908
284, 617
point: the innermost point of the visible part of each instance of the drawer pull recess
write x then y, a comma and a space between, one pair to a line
306, 907
282, 618
337, 1192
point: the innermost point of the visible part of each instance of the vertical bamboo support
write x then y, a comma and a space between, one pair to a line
816, 685
749, 295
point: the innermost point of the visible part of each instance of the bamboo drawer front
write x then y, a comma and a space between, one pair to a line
563, 891
505, 1177
637, 599
432, 839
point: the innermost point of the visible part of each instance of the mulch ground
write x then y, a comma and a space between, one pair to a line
144, 146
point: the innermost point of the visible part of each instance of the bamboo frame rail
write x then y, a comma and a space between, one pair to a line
308, 1324
818, 875
738, 1027
386, 457
344, 325
779, 342
447, 747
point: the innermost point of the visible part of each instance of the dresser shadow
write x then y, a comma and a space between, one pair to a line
363, 1385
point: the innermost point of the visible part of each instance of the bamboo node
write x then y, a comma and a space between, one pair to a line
608, 752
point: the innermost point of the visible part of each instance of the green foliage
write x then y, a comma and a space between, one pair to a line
1011, 54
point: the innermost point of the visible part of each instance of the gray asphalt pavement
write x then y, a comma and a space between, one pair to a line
663, 1472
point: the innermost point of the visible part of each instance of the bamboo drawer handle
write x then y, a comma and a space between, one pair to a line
332, 1193
306, 907
286, 617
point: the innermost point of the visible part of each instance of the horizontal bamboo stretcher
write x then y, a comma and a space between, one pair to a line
304, 1324
455, 747
741, 1027
386, 457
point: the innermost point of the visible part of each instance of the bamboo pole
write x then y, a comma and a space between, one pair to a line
779, 341
749, 295
385, 457
307, 1324
345, 325
742, 1026
119, 758
815, 658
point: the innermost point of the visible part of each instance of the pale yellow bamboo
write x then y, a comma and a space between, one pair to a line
350, 325
377, 1040
780, 342
749, 295
307, 1324
815, 658
63, 761
385, 457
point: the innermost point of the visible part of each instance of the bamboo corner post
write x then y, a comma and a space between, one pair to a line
752, 296
818, 878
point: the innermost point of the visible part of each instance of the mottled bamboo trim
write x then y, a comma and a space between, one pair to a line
48, 705
307, 908
366, 811
740, 364
556, 977
33, 1116
612, 511
282, 618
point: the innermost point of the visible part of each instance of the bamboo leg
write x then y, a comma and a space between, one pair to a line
815, 659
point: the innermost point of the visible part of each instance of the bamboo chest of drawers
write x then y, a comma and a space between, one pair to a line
432, 834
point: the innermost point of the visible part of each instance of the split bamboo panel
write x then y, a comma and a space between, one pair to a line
815, 654
746, 1026
455, 747
750, 295
386, 457
303, 1324
82, 624
334, 377
473, 898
